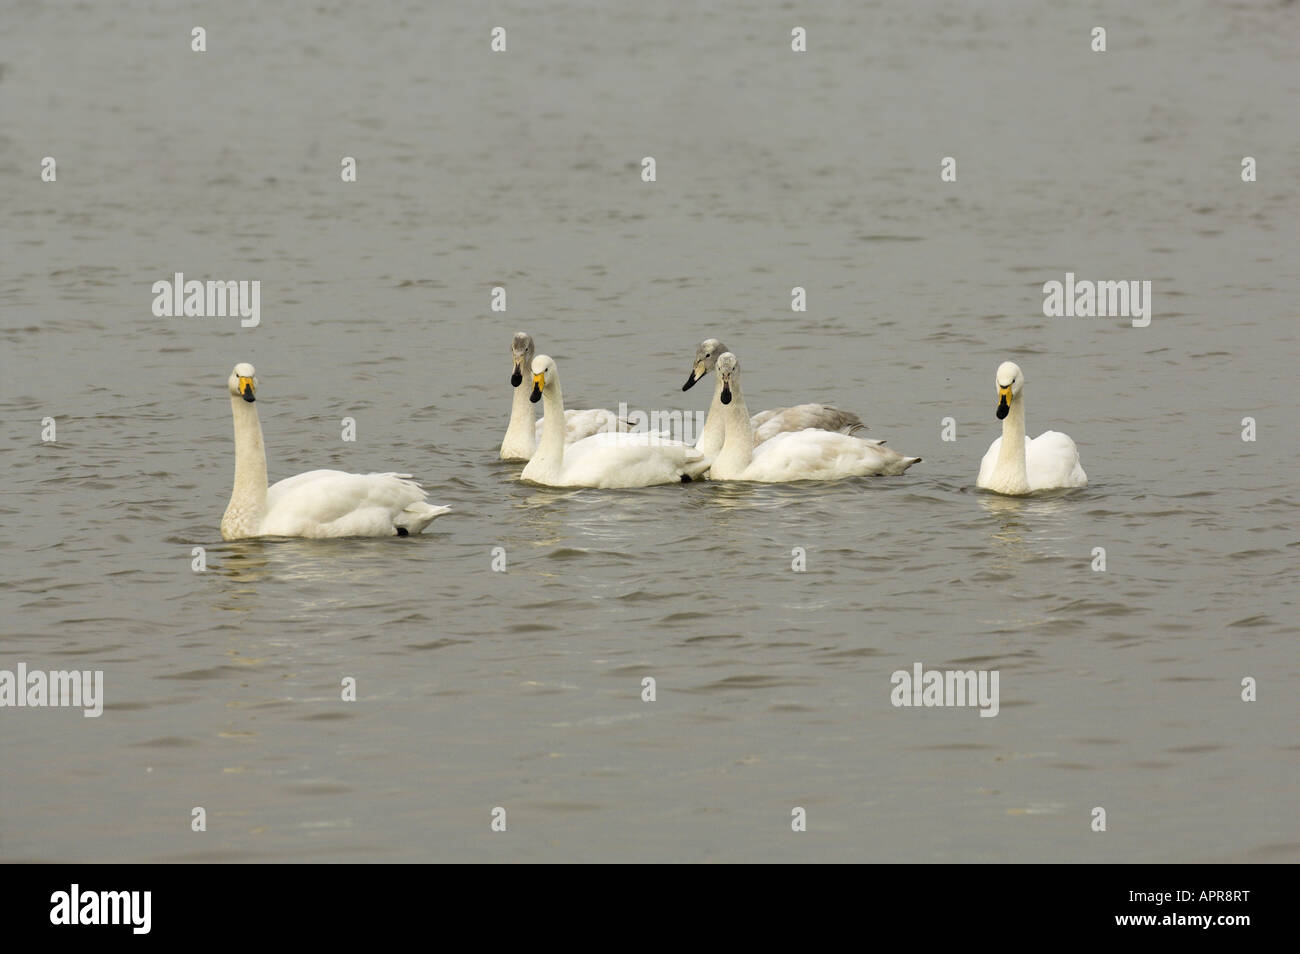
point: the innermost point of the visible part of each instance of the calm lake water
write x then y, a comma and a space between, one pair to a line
477, 689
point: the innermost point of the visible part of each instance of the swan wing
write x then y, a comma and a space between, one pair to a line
629, 460
990, 463
1052, 462
812, 454
767, 424
332, 503
580, 424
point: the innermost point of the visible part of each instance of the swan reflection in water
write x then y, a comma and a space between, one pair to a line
247, 567
1030, 528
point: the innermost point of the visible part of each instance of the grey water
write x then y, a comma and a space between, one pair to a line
1120, 688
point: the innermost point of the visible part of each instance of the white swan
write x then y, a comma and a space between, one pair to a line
809, 454
602, 460
523, 433
319, 503
1017, 465
766, 424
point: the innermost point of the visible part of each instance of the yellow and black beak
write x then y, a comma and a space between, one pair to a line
539, 382
1004, 401
696, 374
246, 389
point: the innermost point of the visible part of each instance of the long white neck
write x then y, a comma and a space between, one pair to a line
550, 451
738, 446
1010, 472
714, 431
520, 439
247, 504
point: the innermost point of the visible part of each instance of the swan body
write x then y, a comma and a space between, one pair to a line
524, 433
1016, 464
602, 460
808, 454
318, 503
765, 424
780, 420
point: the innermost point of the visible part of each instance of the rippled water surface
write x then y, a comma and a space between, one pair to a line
477, 689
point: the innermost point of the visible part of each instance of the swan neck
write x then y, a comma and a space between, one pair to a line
550, 452
714, 429
520, 433
1011, 456
738, 444
248, 498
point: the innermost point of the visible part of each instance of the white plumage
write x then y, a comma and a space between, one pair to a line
1049, 461
602, 460
581, 424
779, 420
765, 424
523, 433
809, 454
318, 503
332, 503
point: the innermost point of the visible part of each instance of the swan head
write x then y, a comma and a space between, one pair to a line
521, 353
243, 382
706, 356
728, 372
1010, 379
544, 376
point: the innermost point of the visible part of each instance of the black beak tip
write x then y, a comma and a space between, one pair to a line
516, 379
536, 395
689, 382
248, 396
1003, 410
726, 395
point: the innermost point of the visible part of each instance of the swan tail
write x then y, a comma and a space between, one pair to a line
846, 422
415, 517
895, 463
